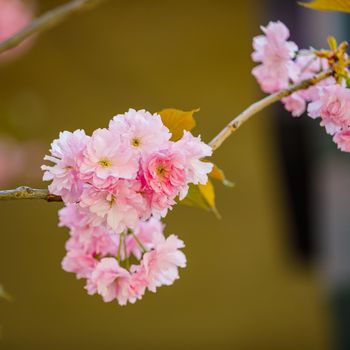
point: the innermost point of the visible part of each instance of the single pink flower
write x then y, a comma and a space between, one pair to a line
142, 132
161, 264
106, 157
66, 154
114, 282
276, 54
333, 106
79, 262
165, 172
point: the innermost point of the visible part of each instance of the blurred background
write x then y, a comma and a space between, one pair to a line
273, 273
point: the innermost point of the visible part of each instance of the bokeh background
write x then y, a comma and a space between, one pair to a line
271, 274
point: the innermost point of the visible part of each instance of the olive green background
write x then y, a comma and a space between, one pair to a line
241, 289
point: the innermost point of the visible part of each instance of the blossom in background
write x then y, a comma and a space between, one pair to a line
19, 160
282, 65
116, 184
276, 54
14, 16
11, 160
342, 139
333, 107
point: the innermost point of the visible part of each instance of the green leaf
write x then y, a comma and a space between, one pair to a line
219, 175
328, 5
177, 121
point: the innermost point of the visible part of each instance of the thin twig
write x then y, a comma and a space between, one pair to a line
47, 21
258, 106
25, 192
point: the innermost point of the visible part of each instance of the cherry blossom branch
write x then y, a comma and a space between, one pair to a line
25, 192
258, 106
47, 21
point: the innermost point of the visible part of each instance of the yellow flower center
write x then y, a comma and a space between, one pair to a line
161, 171
136, 142
104, 163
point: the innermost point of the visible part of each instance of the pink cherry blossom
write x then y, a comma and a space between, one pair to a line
79, 262
276, 54
114, 282
165, 172
106, 157
116, 185
14, 16
195, 150
141, 131
333, 106
121, 206
295, 104
66, 154
161, 264
342, 139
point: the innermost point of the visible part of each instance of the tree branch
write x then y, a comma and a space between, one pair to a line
25, 192
47, 21
258, 106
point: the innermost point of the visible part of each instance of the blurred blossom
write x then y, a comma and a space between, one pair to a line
14, 16
19, 161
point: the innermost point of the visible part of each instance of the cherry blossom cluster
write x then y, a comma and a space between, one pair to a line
102, 256
283, 64
116, 185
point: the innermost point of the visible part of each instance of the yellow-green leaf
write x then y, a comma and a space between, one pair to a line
195, 198
208, 194
202, 196
218, 174
328, 5
177, 121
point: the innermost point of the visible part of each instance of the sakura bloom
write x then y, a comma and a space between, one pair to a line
119, 182
116, 185
282, 64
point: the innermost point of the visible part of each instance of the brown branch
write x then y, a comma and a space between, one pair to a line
25, 192
258, 106
47, 21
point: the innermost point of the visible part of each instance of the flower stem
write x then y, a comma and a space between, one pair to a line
142, 247
127, 262
119, 253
